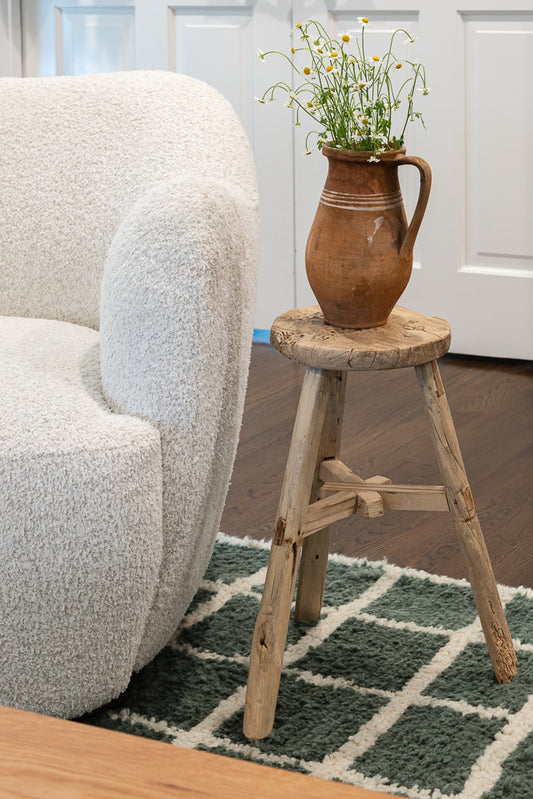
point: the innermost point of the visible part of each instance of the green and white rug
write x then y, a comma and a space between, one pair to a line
391, 689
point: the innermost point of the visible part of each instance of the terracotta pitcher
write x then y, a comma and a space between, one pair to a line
359, 253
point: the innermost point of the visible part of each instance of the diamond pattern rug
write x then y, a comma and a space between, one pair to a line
391, 689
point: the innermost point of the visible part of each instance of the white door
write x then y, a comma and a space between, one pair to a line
213, 41
474, 257
10, 39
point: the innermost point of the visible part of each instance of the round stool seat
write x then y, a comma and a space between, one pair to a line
408, 339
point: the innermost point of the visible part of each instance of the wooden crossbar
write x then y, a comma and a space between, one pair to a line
396, 497
339, 501
326, 511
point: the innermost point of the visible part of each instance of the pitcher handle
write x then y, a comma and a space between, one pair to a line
423, 196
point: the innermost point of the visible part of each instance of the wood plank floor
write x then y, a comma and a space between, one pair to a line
48, 758
385, 432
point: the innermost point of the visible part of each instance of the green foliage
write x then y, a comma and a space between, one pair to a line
353, 98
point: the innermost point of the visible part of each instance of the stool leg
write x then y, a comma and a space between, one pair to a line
315, 549
268, 645
467, 525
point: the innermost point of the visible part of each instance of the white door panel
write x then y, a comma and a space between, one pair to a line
77, 38
217, 47
100, 40
499, 232
10, 39
474, 254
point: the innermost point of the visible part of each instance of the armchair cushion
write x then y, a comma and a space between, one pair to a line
81, 543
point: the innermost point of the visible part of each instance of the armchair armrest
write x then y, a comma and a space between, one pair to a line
178, 296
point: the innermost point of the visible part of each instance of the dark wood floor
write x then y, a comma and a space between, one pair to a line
385, 432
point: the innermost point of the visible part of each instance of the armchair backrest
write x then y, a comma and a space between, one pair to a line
76, 153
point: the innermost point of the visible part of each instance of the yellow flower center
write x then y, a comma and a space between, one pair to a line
307, 71
375, 58
345, 37
364, 19
299, 25
333, 54
398, 66
293, 50
364, 121
329, 68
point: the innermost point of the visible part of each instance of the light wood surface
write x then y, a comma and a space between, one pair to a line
329, 510
466, 522
369, 503
47, 758
270, 634
396, 497
315, 548
408, 339
336, 476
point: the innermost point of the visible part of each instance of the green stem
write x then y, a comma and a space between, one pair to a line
283, 55
334, 100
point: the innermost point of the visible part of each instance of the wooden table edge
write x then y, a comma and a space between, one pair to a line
43, 757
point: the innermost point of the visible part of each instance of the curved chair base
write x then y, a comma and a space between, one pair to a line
80, 529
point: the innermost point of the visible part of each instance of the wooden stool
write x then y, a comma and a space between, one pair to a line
318, 489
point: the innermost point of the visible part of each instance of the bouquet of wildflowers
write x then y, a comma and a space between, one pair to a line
352, 95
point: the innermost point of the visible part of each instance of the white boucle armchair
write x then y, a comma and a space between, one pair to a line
128, 257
